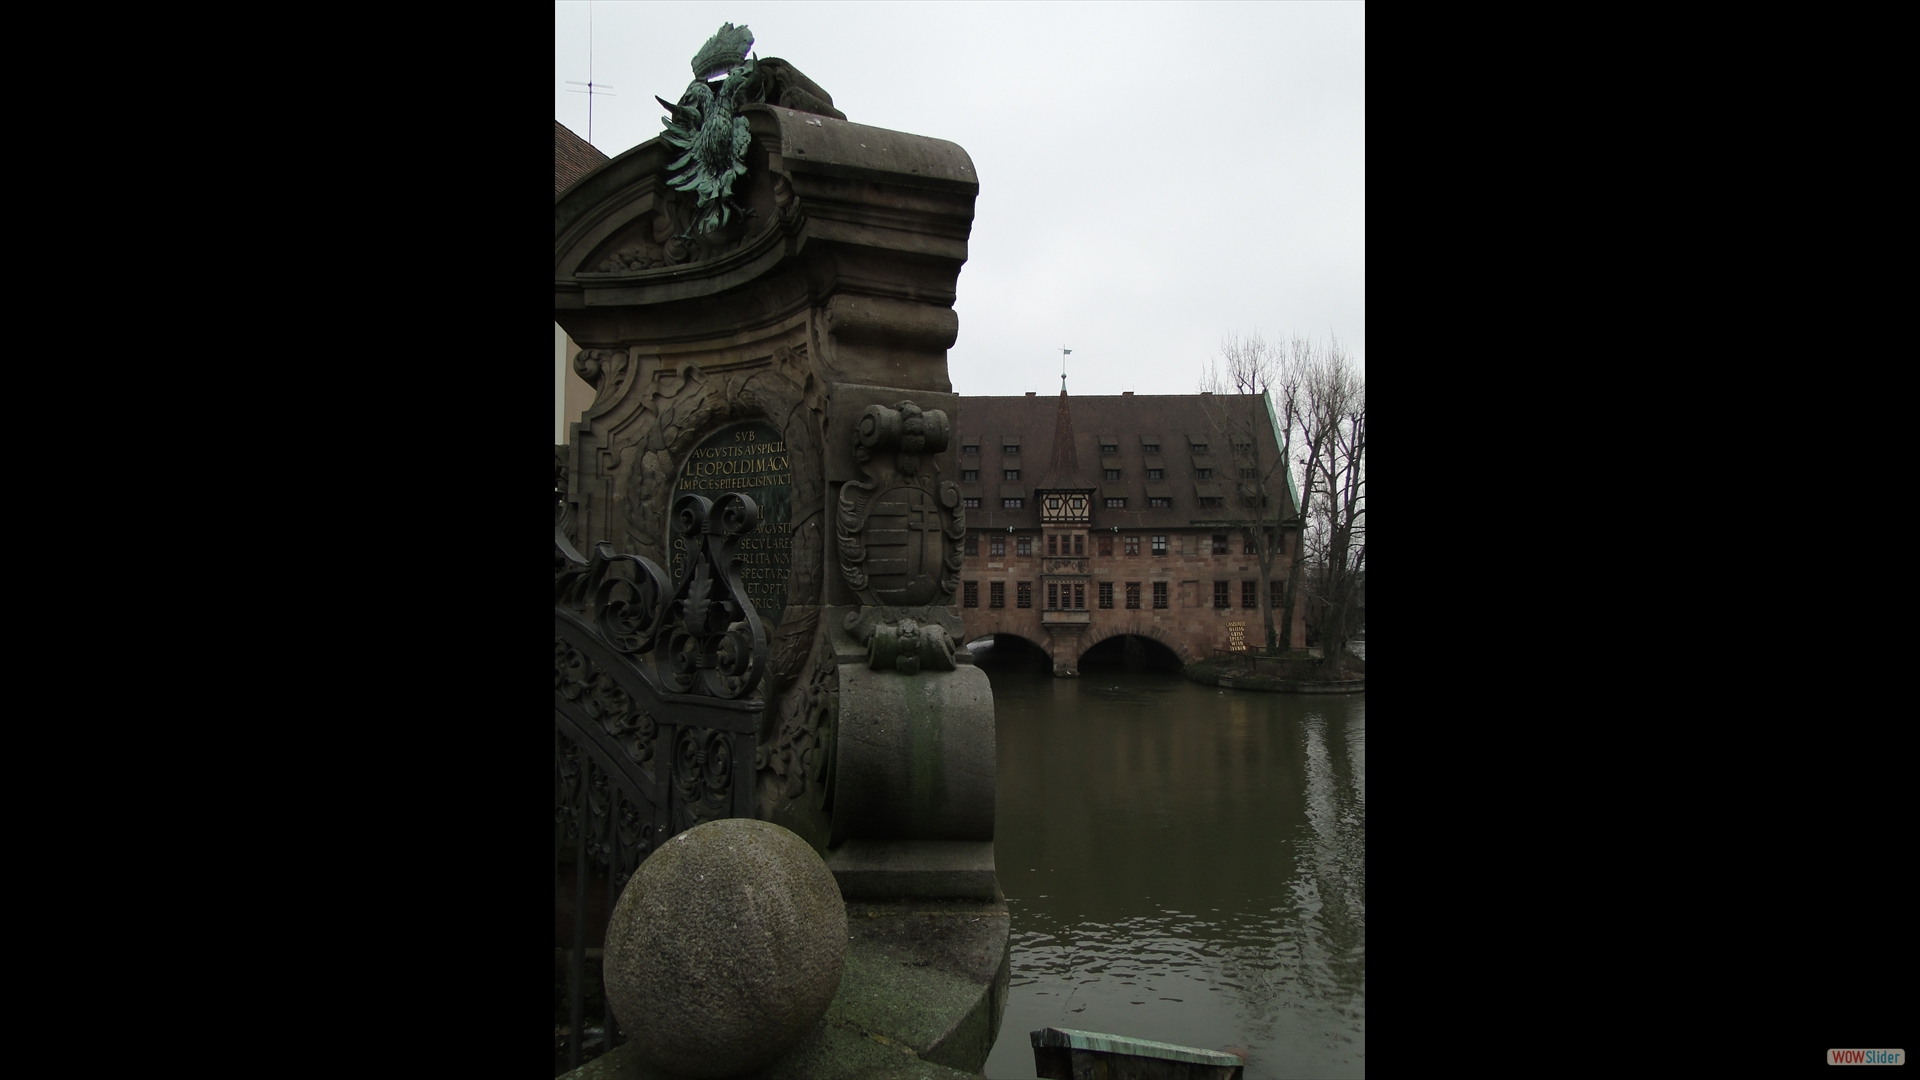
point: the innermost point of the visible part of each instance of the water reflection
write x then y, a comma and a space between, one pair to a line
1183, 863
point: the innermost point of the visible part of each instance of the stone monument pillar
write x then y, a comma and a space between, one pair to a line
788, 341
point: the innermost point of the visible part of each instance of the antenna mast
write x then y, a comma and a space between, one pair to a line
589, 91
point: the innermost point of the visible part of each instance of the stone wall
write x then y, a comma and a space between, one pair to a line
1190, 625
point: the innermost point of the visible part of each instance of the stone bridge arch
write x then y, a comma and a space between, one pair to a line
1026, 644
1151, 641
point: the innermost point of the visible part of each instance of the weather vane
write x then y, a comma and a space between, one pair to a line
1064, 353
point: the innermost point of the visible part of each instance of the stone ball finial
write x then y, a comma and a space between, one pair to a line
725, 948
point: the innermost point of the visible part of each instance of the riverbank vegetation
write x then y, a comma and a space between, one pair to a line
1282, 673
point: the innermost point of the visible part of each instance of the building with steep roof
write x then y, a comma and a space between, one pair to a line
1119, 516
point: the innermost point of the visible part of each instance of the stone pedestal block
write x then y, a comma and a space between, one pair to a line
915, 757
912, 869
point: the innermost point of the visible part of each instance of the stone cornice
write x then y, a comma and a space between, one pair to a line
869, 226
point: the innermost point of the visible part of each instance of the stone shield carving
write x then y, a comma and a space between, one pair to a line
900, 532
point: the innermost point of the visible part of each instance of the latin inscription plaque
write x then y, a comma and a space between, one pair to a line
751, 459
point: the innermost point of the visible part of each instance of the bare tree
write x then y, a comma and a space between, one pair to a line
1244, 383
1314, 402
1335, 400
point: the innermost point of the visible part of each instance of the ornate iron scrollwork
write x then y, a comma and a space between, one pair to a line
653, 726
718, 641
715, 642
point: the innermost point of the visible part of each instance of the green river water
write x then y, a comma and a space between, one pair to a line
1183, 863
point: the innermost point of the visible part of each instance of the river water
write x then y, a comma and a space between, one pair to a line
1183, 863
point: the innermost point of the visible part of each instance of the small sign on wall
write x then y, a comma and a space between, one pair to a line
1236, 637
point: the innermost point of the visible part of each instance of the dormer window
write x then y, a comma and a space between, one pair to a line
1010, 448
1012, 474
970, 448
1199, 447
1109, 448
1151, 448
1113, 474
1205, 474
969, 474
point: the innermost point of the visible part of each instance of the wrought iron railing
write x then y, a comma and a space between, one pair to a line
654, 727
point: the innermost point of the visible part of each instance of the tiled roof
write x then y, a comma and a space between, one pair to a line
1128, 422
573, 158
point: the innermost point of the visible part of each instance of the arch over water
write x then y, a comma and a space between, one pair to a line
1147, 652
1005, 648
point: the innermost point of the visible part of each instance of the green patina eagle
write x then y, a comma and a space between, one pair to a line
708, 127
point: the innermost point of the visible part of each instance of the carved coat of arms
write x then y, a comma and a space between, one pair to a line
900, 533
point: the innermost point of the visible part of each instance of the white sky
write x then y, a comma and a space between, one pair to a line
1152, 176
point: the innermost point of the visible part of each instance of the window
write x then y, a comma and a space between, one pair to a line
1205, 474
1159, 594
1113, 474
1050, 545
1246, 474
1079, 544
996, 594
1247, 546
1106, 594
1209, 503
1025, 547
1133, 545
970, 504
1159, 504
970, 448
1053, 596
1106, 545
1011, 474
1079, 596
1011, 504
1219, 543
1220, 594
972, 594
997, 547
1160, 544
1199, 447
1109, 448
1133, 596
973, 543
1156, 474
1249, 594
1151, 448
1010, 448
1273, 594
969, 474
1025, 597
1116, 504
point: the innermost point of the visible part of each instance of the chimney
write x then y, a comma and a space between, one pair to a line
1029, 393
1126, 393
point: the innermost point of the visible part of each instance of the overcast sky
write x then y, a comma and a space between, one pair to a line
1151, 176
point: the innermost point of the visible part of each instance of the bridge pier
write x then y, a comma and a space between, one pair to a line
1066, 630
